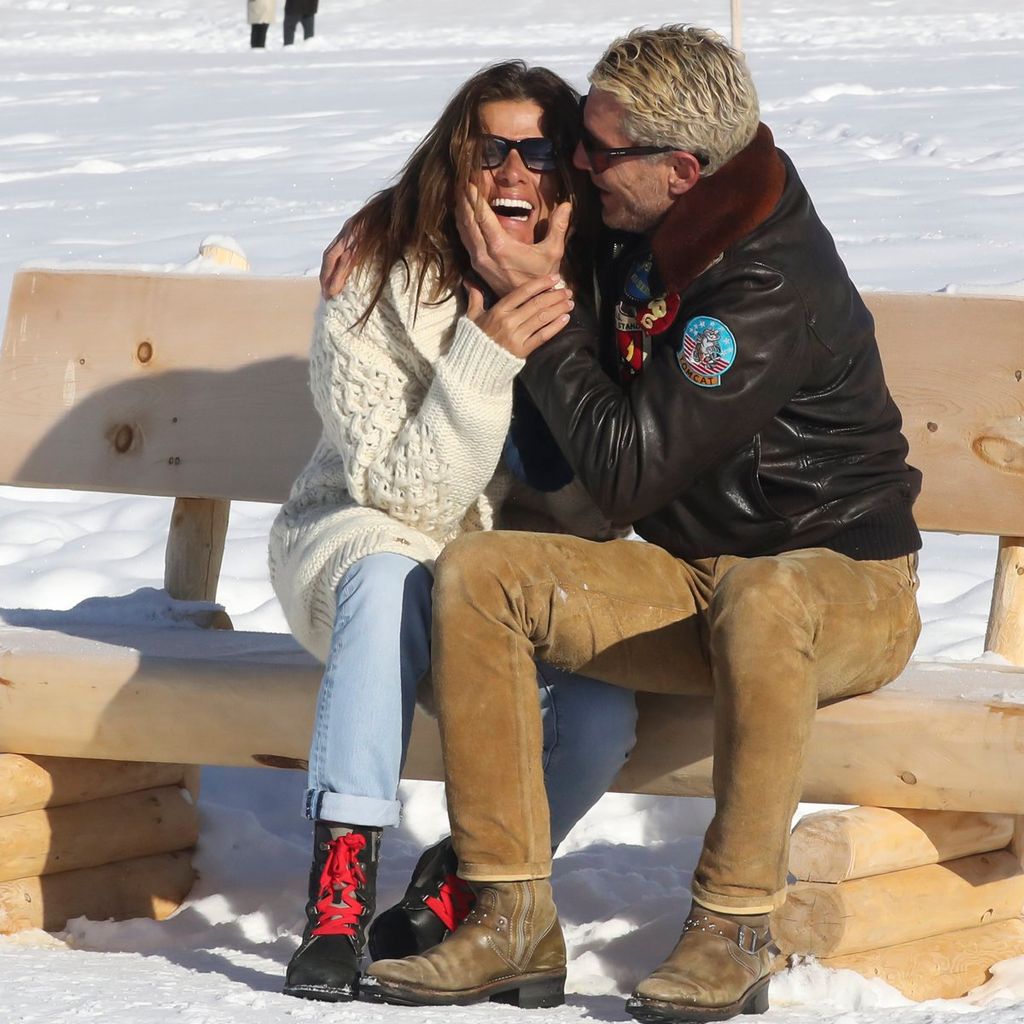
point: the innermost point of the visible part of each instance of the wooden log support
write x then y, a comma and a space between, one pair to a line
97, 832
32, 783
144, 887
211, 249
1005, 634
190, 781
195, 548
836, 846
1017, 842
943, 966
199, 526
826, 920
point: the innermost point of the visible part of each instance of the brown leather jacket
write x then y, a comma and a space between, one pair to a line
756, 418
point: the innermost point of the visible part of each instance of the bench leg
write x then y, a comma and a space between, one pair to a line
1005, 634
1017, 843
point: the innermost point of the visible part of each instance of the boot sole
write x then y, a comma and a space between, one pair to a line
541, 992
324, 993
655, 1011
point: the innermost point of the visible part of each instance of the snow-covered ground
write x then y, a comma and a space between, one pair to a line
130, 131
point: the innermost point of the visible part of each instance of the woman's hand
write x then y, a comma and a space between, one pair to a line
499, 259
524, 319
336, 264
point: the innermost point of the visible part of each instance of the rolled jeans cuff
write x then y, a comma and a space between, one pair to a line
352, 810
473, 872
762, 903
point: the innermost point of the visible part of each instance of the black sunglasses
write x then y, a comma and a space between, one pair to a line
538, 154
600, 157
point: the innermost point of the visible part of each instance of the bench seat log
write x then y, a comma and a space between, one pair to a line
943, 736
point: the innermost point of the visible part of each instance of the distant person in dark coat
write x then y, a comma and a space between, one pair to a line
260, 14
296, 11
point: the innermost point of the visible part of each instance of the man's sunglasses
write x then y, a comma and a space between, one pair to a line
538, 154
600, 157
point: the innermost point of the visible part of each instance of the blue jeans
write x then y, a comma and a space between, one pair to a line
379, 652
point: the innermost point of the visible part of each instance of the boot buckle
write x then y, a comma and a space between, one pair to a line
746, 939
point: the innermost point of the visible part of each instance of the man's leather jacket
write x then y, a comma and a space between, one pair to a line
734, 401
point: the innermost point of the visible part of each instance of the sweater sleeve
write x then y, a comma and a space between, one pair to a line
417, 445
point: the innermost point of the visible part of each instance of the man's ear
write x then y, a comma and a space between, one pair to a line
684, 172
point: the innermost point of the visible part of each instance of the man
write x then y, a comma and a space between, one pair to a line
733, 409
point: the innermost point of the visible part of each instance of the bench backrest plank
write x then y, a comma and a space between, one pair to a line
954, 364
175, 385
196, 386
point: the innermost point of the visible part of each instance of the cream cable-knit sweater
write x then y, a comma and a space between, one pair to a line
415, 408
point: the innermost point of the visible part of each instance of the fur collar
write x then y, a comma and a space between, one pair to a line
718, 211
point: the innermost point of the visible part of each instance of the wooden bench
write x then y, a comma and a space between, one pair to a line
194, 387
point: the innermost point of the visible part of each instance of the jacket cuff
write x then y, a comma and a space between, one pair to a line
541, 366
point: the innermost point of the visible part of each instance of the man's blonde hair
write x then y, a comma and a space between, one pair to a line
684, 87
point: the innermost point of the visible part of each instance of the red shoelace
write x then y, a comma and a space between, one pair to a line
339, 906
453, 901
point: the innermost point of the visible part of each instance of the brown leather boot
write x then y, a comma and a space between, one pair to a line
509, 949
720, 968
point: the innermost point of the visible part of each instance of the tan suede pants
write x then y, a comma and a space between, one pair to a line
769, 638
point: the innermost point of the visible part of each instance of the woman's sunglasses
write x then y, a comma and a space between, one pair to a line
538, 154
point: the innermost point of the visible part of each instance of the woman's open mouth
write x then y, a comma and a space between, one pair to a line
512, 209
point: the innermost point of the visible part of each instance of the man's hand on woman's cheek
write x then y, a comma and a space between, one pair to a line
336, 264
500, 260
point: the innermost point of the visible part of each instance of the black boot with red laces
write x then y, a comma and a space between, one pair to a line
342, 896
435, 904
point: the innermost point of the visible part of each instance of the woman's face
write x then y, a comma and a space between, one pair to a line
521, 198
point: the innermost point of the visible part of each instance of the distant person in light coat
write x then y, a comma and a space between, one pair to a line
296, 11
260, 15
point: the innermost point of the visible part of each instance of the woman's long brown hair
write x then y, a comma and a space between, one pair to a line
413, 221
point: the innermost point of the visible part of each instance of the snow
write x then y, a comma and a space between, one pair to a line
131, 132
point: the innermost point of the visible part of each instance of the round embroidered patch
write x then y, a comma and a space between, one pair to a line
707, 350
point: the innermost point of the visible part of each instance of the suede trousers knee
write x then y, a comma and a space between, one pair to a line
768, 638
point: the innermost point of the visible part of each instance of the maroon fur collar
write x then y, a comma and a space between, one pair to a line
718, 211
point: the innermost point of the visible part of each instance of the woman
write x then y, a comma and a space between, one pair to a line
259, 14
415, 388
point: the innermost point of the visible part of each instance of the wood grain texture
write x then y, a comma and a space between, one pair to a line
251, 698
130, 402
97, 832
835, 846
33, 783
1017, 842
1005, 633
941, 967
195, 548
962, 417
121, 382
144, 887
885, 910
